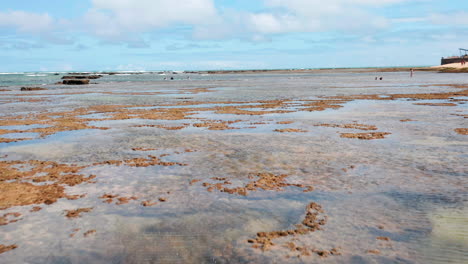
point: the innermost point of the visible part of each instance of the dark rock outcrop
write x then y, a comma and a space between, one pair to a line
75, 81
81, 77
32, 88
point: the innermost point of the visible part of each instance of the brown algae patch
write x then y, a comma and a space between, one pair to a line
15, 192
189, 150
148, 203
283, 122
109, 198
163, 127
436, 104
460, 86
119, 200
313, 221
464, 116
125, 200
24, 100
9, 218
192, 182
4, 248
7, 131
407, 120
420, 96
89, 233
263, 181
74, 120
74, 231
217, 124
462, 131
195, 90
365, 136
77, 213
349, 168
134, 93
383, 238
350, 126
10, 140
373, 251
140, 162
170, 127
143, 149
322, 105
35, 209
290, 130
308, 251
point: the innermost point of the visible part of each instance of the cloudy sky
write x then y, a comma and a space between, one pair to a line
45, 35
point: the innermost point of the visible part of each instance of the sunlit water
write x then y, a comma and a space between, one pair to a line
410, 186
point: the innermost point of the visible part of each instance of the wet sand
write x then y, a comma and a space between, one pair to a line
315, 167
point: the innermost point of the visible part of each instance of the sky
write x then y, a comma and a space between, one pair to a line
138, 35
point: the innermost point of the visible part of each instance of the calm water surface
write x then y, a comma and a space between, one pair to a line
410, 187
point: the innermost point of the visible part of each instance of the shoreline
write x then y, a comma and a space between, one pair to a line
441, 68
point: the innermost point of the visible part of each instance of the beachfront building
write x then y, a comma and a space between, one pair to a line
456, 59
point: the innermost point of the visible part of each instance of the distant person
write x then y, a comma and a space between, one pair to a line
376, 78
411, 72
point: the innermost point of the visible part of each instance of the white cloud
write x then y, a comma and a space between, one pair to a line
330, 4
116, 18
409, 20
315, 15
26, 22
42, 27
127, 21
267, 23
208, 64
123, 20
299, 16
456, 19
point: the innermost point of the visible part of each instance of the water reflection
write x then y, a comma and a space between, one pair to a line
401, 199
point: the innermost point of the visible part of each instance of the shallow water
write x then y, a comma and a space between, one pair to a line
409, 187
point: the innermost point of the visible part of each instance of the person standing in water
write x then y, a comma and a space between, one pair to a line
411, 72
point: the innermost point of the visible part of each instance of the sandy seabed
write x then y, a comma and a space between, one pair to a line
330, 167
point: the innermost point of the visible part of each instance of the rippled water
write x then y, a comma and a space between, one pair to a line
410, 187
